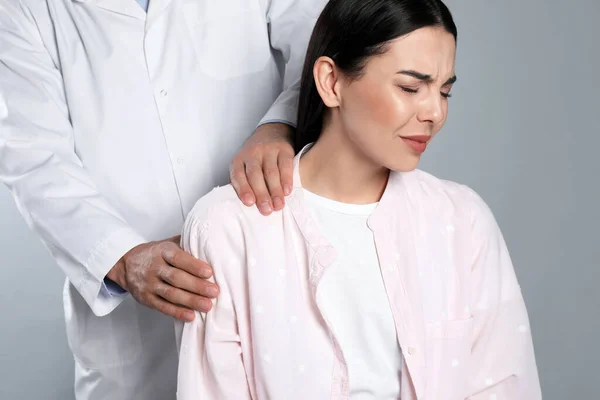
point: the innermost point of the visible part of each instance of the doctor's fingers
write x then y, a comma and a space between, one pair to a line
239, 181
170, 309
182, 298
285, 162
256, 178
181, 279
273, 179
184, 261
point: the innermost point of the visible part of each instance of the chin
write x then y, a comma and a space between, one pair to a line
406, 163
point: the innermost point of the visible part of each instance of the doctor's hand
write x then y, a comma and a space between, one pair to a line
261, 173
162, 276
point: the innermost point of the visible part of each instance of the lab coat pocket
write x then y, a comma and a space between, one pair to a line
230, 38
101, 342
448, 356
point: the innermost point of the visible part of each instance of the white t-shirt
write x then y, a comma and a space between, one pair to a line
354, 300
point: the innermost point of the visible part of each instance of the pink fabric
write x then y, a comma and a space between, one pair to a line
460, 317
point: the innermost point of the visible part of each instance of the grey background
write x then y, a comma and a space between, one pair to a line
523, 132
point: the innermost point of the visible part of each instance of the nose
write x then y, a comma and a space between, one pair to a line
432, 109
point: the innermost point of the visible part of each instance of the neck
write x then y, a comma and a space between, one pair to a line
336, 169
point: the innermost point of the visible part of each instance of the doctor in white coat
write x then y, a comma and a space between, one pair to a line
116, 116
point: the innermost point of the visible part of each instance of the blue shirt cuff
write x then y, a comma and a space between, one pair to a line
112, 288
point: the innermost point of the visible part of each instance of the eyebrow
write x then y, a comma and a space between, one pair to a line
424, 77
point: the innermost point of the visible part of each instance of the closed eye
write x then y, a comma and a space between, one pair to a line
411, 90
408, 90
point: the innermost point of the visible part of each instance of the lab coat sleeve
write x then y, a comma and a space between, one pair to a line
290, 26
503, 365
210, 352
38, 163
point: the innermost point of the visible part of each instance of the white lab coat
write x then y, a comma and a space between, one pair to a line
113, 122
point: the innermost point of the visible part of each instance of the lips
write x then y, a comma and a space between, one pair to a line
418, 138
417, 143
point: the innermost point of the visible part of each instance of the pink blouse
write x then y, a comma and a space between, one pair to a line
460, 318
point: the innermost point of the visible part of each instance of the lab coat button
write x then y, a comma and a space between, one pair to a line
164, 93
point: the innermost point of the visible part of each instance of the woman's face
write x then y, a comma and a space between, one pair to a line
400, 101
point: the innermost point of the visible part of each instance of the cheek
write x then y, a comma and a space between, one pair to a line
376, 109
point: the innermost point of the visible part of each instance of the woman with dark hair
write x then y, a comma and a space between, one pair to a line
377, 281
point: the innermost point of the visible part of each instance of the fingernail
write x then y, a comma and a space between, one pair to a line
207, 272
247, 199
189, 316
287, 190
277, 203
265, 207
213, 291
206, 305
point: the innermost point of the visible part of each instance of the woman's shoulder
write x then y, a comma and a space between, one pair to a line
433, 186
448, 195
216, 204
221, 213
460, 206
214, 225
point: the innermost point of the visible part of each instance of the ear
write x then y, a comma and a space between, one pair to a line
326, 77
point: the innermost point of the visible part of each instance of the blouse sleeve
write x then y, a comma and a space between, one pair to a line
503, 361
210, 354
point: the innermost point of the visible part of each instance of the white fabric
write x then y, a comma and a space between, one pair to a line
353, 298
113, 122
